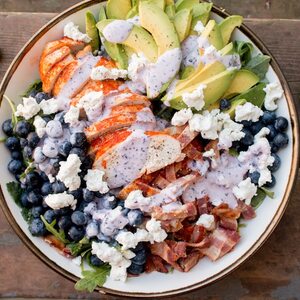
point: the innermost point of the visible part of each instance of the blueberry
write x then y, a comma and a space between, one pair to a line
135, 217
78, 151
7, 127
246, 123
36, 211
78, 218
76, 233
58, 187
78, 139
77, 194
64, 222
135, 269
12, 143
272, 183
47, 119
103, 238
224, 104
88, 195
125, 211
87, 164
24, 200
22, 129
44, 177
54, 129
55, 162
276, 163
281, 124
108, 201
63, 211
274, 148
27, 153
281, 140
33, 93
37, 227
95, 261
268, 117
139, 247
39, 97
256, 127
273, 132
15, 166
65, 148
61, 118
16, 155
46, 188
33, 179
248, 139
50, 215
254, 177
35, 198
23, 143
38, 155
33, 139
140, 257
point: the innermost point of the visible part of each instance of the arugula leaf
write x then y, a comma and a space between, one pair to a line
14, 118
268, 192
166, 113
92, 279
244, 49
60, 235
35, 86
78, 248
233, 152
258, 199
259, 65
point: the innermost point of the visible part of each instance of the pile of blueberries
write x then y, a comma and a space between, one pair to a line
21, 141
277, 138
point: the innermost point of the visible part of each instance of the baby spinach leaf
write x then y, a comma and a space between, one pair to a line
259, 65
268, 192
244, 49
92, 279
35, 86
258, 199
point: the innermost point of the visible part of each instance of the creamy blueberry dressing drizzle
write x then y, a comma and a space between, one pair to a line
117, 31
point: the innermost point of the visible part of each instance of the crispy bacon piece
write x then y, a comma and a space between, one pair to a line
160, 182
186, 136
159, 264
223, 211
221, 242
247, 211
229, 223
172, 225
191, 152
170, 173
213, 145
187, 263
191, 234
204, 206
53, 241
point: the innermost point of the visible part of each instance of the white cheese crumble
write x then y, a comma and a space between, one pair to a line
245, 190
57, 201
119, 263
247, 112
157, 234
273, 92
40, 126
207, 221
50, 106
136, 200
68, 172
94, 181
28, 109
72, 116
199, 27
181, 117
195, 99
72, 31
103, 73
92, 103
262, 133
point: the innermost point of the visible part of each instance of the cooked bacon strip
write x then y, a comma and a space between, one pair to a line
204, 206
221, 242
170, 173
191, 152
53, 241
223, 211
150, 267
179, 248
160, 182
247, 211
229, 223
159, 264
213, 145
172, 225
187, 263
186, 136
191, 234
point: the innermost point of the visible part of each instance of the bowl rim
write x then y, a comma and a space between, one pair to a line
259, 242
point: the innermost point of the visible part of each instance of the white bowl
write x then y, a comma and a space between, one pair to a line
24, 70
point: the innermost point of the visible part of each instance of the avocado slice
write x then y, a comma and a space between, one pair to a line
170, 11
202, 74
118, 9
228, 25
215, 88
227, 50
156, 21
234, 104
242, 82
183, 4
182, 23
92, 31
139, 40
160, 3
256, 95
102, 13
200, 12
213, 34
134, 11
186, 72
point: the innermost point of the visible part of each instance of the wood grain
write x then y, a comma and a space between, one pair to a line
272, 273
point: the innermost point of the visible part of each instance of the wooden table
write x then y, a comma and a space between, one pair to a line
273, 272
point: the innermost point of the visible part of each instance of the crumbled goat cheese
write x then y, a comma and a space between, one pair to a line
273, 92
195, 99
262, 133
136, 200
209, 154
68, 172
92, 103
94, 181
72, 116
40, 126
50, 106
247, 112
102, 73
157, 233
57, 201
207, 221
199, 27
245, 190
28, 109
72, 31
181, 117
119, 263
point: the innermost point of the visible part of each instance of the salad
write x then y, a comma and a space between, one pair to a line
147, 140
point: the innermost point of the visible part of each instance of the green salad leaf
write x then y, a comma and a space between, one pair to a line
244, 49
60, 235
14, 118
268, 192
258, 199
92, 279
80, 247
35, 86
259, 65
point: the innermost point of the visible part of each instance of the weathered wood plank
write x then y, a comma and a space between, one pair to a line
248, 8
